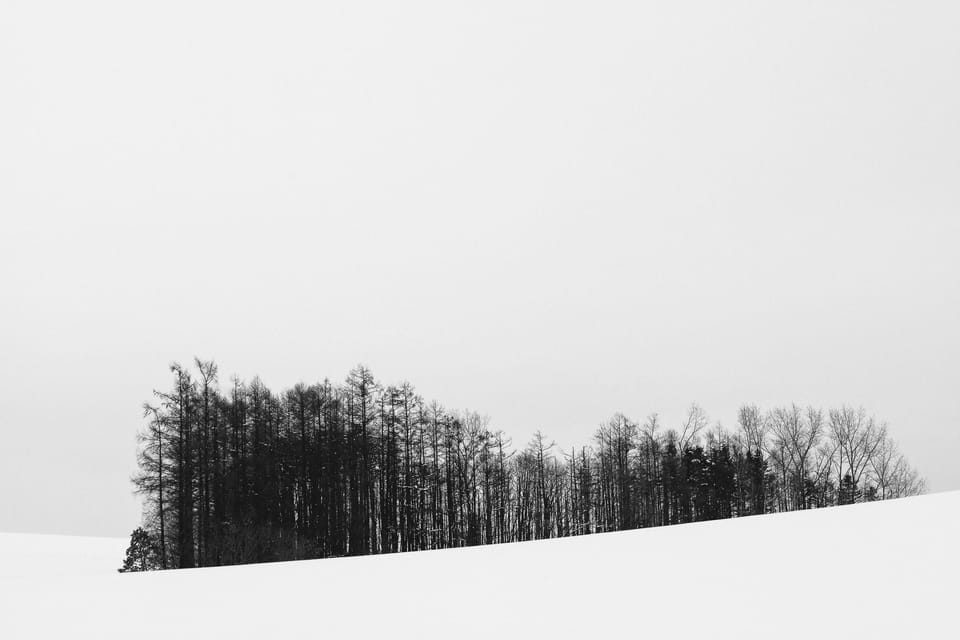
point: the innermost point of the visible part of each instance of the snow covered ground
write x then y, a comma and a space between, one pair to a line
880, 570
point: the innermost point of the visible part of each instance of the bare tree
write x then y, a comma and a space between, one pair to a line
695, 422
905, 481
883, 465
753, 427
796, 435
857, 438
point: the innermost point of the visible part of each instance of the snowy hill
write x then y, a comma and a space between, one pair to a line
879, 570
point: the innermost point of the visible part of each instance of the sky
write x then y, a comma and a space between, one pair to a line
547, 212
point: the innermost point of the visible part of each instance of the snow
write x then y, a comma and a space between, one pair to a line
879, 570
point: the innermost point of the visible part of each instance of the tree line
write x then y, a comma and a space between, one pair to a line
247, 475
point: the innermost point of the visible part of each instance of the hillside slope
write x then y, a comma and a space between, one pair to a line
879, 570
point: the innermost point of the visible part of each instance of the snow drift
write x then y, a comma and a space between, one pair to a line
879, 570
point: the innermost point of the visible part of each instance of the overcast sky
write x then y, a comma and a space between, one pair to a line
544, 211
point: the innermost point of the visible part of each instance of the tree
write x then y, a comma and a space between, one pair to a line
795, 437
695, 422
857, 438
141, 554
849, 492
326, 470
753, 428
149, 480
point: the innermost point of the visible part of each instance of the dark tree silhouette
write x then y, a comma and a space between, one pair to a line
142, 554
328, 470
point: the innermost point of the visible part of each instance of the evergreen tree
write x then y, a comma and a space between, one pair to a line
142, 553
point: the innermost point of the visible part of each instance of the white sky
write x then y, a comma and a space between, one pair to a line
544, 211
